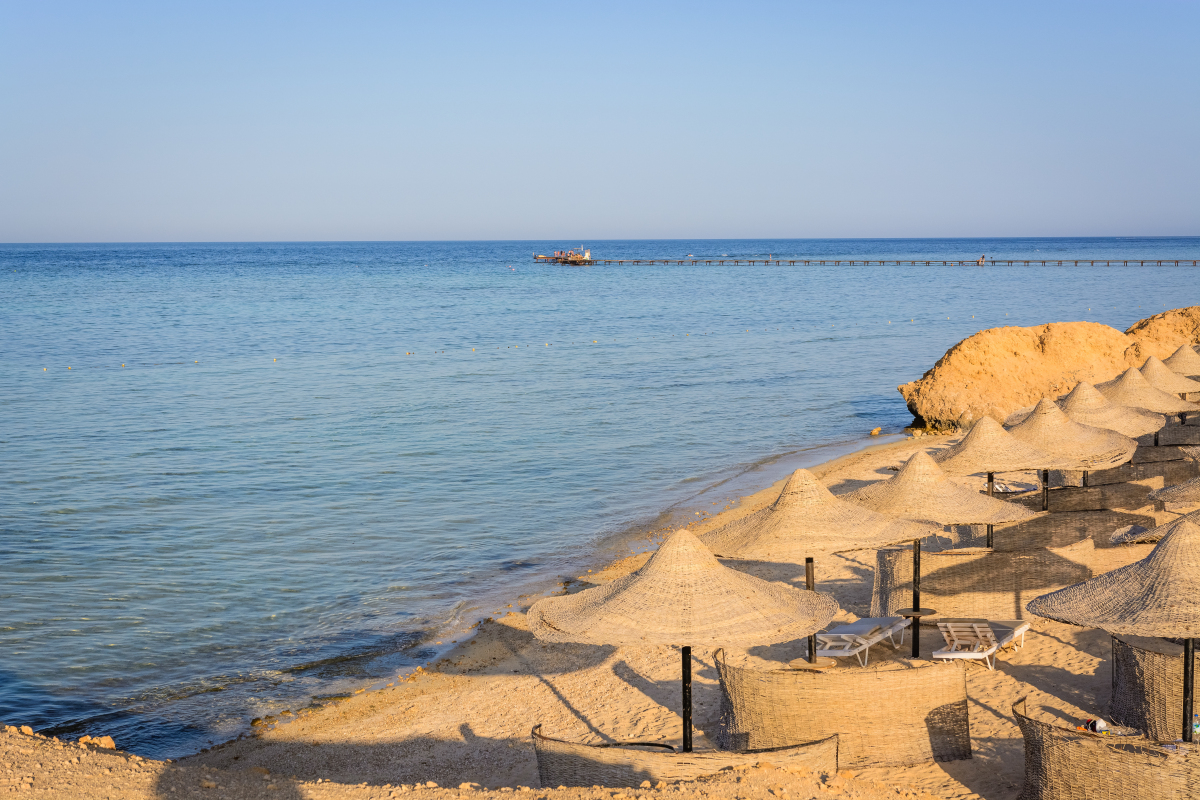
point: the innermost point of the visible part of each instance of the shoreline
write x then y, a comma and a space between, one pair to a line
463, 719
609, 556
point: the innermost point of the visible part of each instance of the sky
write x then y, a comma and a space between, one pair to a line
482, 120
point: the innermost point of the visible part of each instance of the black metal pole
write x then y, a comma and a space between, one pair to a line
687, 699
1156, 438
810, 581
916, 623
1045, 490
991, 492
1189, 679
1085, 478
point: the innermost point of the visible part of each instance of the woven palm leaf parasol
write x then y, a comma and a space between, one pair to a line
1160, 376
1072, 444
807, 519
683, 596
1135, 534
1184, 361
921, 491
1087, 406
1132, 389
1157, 596
990, 448
1187, 492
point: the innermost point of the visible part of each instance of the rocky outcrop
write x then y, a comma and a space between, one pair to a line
998, 371
1161, 335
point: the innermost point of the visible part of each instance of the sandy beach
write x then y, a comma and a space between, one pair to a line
465, 720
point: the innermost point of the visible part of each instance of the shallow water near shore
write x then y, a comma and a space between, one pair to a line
319, 457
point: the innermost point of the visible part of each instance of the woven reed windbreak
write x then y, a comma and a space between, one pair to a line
1184, 361
569, 764
1160, 376
977, 582
1132, 389
1065, 764
1071, 443
1147, 685
1058, 529
892, 714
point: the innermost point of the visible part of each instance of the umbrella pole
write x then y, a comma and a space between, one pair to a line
1045, 490
1189, 679
991, 492
687, 699
1085, 478
916, 624
810, 580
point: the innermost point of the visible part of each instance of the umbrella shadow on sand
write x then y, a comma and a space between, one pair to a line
1020, 575
706, 695
846, 485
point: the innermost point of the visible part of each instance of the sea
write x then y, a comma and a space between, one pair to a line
242, 478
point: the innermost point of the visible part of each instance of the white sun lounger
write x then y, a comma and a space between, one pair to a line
856, 638
980, 639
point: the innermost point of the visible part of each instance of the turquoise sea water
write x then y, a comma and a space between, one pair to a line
318, 458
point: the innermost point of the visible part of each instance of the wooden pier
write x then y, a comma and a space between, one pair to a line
851, 262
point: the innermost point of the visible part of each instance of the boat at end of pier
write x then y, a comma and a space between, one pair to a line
573, 258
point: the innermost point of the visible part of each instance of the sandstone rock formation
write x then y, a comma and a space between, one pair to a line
1161, 335
998, 371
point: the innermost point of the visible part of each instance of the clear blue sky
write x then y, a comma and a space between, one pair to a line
471, 120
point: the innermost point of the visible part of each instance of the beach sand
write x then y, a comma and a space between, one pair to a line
466, 719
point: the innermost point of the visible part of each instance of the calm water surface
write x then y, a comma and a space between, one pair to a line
237, 477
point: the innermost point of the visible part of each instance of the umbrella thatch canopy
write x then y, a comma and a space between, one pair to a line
1132, 389
1184, 361
1073, 444
990, 448
1157, 596
683, 595
1187, 492
1136, 534
1087, 406
1160, 376
921, 491
807, 519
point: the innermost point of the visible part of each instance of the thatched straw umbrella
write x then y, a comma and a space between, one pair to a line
1187, 492
1157, 596
1132, 389
1087, 406
1160, 376
1135, 534
1184, 361
921, 491
683, 594
807, 519
988, 448
1071, 443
